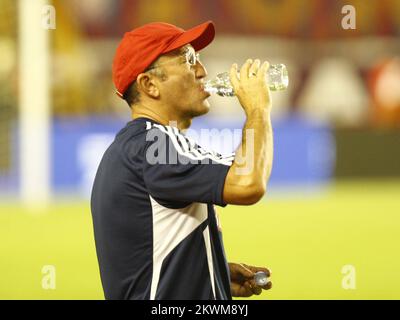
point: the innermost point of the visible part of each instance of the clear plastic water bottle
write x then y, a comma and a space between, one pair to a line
277, 79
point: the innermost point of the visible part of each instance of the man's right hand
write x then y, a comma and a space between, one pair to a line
250, 85
247, 178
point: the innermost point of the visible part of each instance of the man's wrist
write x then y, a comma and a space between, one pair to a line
263, 114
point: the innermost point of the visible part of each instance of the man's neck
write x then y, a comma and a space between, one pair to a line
167, 120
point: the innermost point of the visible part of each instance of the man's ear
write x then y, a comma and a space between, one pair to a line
148, 85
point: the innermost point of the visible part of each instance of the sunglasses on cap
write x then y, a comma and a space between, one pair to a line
190, 55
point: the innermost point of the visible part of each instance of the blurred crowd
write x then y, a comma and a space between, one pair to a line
348, 78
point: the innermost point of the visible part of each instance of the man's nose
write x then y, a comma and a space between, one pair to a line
201, 71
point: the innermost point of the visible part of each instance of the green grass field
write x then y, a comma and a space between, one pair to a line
304, 240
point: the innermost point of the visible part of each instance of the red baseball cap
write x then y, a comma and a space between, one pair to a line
140, 47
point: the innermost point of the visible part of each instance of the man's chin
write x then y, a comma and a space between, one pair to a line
201, 112
205, 107
197, 112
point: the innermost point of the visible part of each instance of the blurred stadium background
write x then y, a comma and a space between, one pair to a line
334, 197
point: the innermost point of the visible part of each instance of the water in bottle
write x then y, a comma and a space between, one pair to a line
277, 79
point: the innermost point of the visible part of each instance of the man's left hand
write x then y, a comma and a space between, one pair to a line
242, 280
